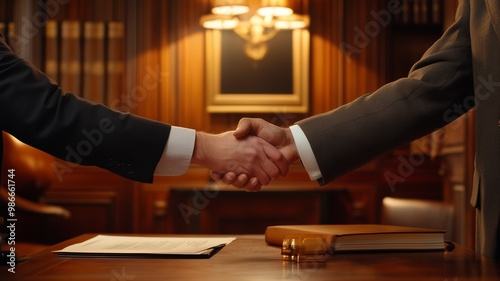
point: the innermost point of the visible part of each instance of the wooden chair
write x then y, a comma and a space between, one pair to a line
32, 176
419, 213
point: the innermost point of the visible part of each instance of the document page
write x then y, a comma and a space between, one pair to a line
127, 245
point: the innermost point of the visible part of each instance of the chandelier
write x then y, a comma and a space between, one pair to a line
257, 28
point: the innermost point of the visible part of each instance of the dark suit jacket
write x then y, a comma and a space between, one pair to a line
35, 110
461, 69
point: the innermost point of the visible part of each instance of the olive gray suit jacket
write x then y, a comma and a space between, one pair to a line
35, 110
460, 71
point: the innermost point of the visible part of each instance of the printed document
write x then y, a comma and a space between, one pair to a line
111, 245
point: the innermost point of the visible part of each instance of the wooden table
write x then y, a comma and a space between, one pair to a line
249, 258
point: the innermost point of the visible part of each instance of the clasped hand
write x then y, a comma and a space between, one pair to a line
253, 155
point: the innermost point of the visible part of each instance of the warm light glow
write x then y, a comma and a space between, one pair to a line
259, 28
275, 8
275, 11
230, 10
292, 22
219, 22
230, 7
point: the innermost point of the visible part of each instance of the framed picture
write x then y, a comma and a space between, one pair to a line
279, 82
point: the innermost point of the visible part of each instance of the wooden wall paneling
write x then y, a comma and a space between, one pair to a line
140, 96
353, 57
208, 210
99, 201
131, 51
115, 68
168, 98
26, 37
143, 95
152, 214
94, 68
191, 66
365, 40
148, 65
6, 8
165, 81
70, 63
115, 11
92, 211
326, 56
449, 11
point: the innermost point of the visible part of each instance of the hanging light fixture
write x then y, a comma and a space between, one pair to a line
274, 8
230, 7
271, 16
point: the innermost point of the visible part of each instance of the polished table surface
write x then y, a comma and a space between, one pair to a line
249, 258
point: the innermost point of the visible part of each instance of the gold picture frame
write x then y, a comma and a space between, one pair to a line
281, 82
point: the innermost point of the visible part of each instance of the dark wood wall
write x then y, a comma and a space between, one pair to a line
160, 57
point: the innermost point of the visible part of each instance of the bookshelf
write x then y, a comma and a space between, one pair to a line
419, 24
420, 13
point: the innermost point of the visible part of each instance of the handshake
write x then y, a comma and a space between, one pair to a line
249, 157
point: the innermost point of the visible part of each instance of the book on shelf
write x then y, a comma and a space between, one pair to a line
51, 50
70, 52
362, 237
94, 76
115, 64
419, 12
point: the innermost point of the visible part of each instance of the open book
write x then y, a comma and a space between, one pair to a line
362, 237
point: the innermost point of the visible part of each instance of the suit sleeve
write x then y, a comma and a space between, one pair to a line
35, 110
437, 90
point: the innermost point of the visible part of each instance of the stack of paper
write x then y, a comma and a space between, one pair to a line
122, 246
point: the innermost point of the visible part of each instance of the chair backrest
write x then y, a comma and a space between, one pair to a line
419, 213
33, 168
33, 175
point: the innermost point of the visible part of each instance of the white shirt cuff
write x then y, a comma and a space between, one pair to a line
177, 154
305, 153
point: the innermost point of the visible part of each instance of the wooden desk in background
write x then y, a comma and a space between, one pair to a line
249, 258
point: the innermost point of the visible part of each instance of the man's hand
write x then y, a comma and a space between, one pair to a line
279, 137
247, 156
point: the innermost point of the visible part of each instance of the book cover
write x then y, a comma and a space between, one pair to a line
362, 237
